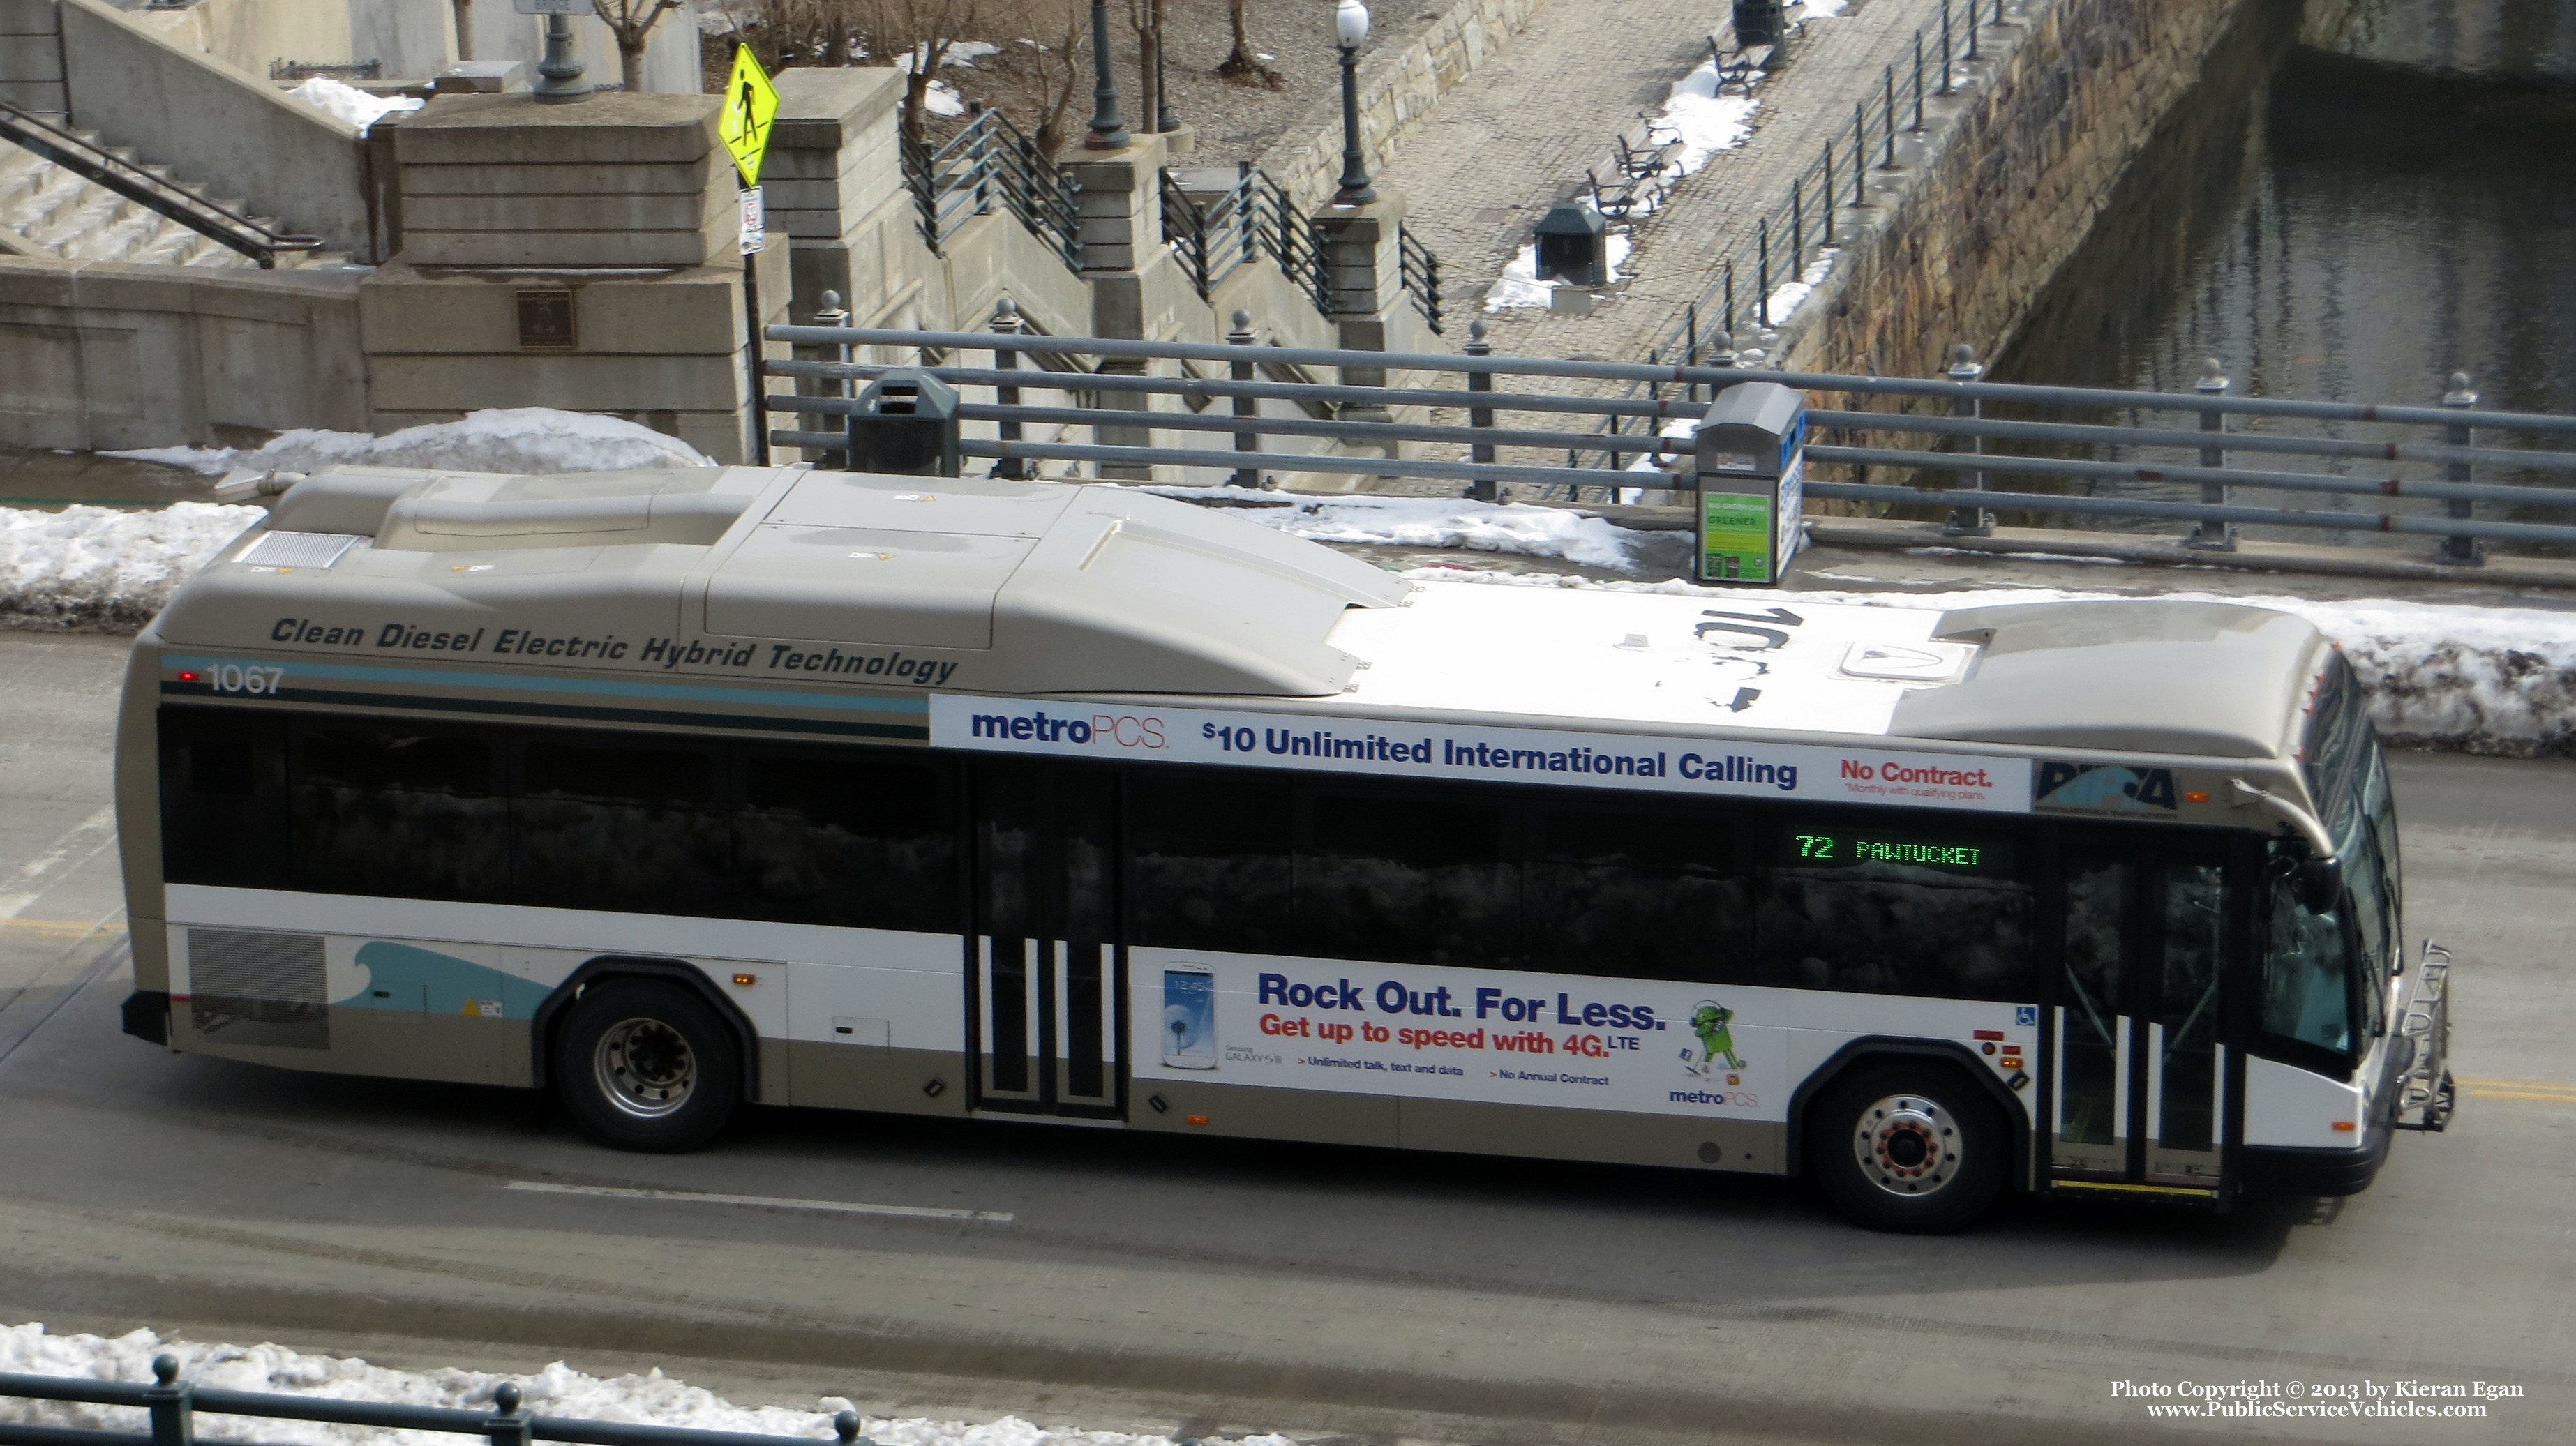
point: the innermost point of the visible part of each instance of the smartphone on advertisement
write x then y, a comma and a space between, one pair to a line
1189, 1016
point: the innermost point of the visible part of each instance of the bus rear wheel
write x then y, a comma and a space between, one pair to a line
1909, 1148
643, 1065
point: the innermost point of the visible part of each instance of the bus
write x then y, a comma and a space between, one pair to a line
672, 791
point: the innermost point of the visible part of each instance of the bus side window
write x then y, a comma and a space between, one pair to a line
602, 821
398, 810
849, 839
1643, 893
1407, 877
1910, 910
1210, 862
223, 798
2307, 974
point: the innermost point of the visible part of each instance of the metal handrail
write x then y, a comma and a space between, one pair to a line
991, 162
99, 166
173, 1405
1418, 270
1287, 235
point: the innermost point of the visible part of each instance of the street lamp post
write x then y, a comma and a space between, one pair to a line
1108, 127
1350, 28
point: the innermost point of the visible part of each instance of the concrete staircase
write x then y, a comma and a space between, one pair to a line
47, 210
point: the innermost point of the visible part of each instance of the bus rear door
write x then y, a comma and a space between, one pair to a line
1043, 963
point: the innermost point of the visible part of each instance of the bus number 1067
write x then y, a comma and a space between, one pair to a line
236, 677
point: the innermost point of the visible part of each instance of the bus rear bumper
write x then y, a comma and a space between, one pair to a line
147, 1016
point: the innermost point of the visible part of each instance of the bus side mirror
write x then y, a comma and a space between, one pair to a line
2321, 884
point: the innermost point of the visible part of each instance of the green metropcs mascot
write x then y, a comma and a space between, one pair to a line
1710, 1024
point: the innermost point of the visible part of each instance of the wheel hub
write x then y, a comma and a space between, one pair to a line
1907, 1145
645, 1068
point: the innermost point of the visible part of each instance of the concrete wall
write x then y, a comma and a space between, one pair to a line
102, 354
412, 39
1396, 86
239, 138
2007, 184
31, 55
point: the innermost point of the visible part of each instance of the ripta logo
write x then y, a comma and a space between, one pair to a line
2104, 788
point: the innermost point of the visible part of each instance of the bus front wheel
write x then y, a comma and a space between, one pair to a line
1908, 1148
643, 1065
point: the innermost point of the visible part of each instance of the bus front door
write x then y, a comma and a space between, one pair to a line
1043, 964
2137, 1093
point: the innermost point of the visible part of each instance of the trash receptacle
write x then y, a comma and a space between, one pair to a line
1760, 22
1750, 457
907, 424
1571, 245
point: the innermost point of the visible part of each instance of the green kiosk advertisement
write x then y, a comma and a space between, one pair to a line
1751, 458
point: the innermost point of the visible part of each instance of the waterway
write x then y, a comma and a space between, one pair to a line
2350, 211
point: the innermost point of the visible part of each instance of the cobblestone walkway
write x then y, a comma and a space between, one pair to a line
1518, 136
1679, 250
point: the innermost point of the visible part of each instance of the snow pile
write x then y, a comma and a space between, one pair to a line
516, 439
1705, 121
1513, 528
1786, 296
650, 1399
103, 567
1520, 285
351, 104
1821, 9
2487, 680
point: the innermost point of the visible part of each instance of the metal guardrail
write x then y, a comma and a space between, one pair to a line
1854, 437
172, 1405
100, 166
986, 164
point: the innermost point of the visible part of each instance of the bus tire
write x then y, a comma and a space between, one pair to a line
1909, 1148
645, 1065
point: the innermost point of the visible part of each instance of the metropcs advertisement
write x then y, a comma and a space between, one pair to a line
1310, 743
1460, 1034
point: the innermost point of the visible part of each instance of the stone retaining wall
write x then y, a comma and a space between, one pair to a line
1396, 88
2006, 185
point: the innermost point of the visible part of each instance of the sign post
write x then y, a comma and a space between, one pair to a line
1751, 458
750, 106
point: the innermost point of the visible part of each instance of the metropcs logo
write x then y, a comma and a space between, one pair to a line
1123, 730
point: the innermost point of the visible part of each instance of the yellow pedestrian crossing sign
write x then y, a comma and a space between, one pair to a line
750, 104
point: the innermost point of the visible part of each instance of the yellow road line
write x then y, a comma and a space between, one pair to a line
2562, 1097
71, 927
2514, 1084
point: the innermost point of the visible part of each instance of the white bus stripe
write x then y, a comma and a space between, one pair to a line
836, 1207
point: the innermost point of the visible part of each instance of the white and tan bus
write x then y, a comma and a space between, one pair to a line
672, 791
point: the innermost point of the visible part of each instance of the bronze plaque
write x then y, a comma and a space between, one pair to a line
545, 319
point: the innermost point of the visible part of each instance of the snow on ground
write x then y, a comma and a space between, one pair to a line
1520, 285
650, 1399
2478, 679
1514, 528
516, 439
350, 103
105, 567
